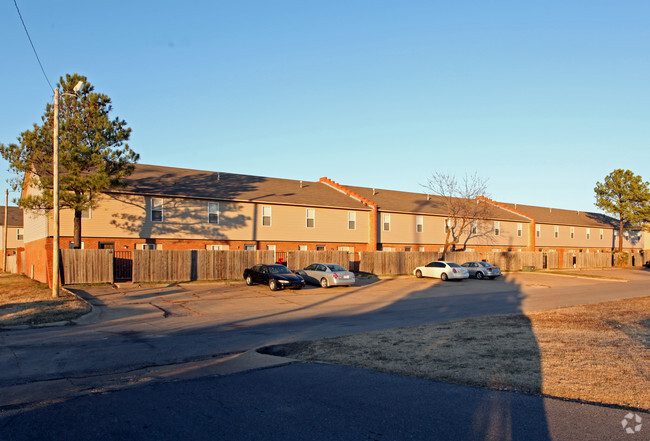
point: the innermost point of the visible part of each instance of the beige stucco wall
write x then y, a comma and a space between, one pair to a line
126, 216
403, 231
547, 237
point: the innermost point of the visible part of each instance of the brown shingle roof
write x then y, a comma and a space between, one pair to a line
153, 180
405, 202
556, 216
14, 216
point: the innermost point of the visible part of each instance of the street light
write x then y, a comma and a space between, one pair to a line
55, 188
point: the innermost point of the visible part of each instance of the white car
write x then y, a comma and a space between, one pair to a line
326, 275
443, 270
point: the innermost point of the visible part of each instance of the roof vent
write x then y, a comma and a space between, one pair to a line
300, 184
428, 197
218, 176
374, 191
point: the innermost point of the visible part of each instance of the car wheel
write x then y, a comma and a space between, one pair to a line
443, 276
249, 280
324, 283
418, 274
273, 285
479, 275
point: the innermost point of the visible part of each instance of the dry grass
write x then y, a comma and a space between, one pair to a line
594, 353
26, 302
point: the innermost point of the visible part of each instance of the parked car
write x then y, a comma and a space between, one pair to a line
482, 269
326, 275
443, 270
276, 276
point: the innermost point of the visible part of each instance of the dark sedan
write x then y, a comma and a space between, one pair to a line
276, 276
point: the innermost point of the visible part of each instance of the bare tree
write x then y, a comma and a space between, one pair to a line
466, 215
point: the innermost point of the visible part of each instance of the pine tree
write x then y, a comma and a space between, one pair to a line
625, 195
93, 154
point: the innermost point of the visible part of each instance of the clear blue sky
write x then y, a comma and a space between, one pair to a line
543, 98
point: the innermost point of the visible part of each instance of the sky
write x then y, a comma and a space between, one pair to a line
542, 99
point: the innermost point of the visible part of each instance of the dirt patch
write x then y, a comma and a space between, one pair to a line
593, 353
26, 302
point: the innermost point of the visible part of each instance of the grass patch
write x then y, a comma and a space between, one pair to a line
593, 353
26, 302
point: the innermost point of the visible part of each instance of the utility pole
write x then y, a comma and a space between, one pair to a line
55, 198
4, 238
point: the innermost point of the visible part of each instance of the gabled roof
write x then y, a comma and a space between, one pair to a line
421, 203
557, 216
14, 216
154, 180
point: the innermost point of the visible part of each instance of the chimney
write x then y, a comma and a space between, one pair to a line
428, 197
374, 191
218, 176
300, 184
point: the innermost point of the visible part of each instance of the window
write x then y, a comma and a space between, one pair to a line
320, 247
214, 247
538, 230
602, 234
588, 233
446, 226
497, 228
86, 214
270, 247
386, 217
572, 232
213, 212
520, 230
147, 246
407, 249
474, 227
388, 248
302, 247
311, 218
250, 247
19, 234
157, 210
352, 220
266, 216
419, 224
420, 248
71, 245
556, 232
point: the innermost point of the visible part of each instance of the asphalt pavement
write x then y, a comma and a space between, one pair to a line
170, 362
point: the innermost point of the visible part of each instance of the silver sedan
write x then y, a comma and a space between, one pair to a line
482, 269
326, 275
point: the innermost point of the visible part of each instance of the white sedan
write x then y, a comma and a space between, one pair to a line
443, 270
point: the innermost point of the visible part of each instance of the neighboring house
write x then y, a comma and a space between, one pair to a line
173, 208
15, 240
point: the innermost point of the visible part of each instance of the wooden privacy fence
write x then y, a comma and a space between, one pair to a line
86, 266
300, 259
185, 265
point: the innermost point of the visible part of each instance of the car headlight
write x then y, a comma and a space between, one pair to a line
284, 282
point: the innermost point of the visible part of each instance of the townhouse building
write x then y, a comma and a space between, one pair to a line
15, 241
172, 208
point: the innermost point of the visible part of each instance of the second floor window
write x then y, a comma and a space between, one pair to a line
352, 220
572, 232
311, 218
266, 216
386, 218
538, 230
520, 230
213, 212
497, 228
588, 233
19, 234
556, 232
156, 210
419, 224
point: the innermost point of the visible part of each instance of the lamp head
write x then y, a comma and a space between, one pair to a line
78, 87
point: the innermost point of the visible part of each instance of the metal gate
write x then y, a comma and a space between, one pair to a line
123, 266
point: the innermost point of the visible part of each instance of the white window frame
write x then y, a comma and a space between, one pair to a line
538, 231
71, 245
419, 224
154, 206
385, 217
303, 248
310, 216
19, 234
474, 227
556, 232
421, 249
87, 213
267, 213
250, 247
352, 220
215, 211
588, 233
497, 228
215, 247
602, 234
148, 246
520, 229
572, 232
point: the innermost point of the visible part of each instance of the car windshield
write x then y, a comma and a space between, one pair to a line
453, 265
336, 268
279, 269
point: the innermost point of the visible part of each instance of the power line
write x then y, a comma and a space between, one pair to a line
33, 48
